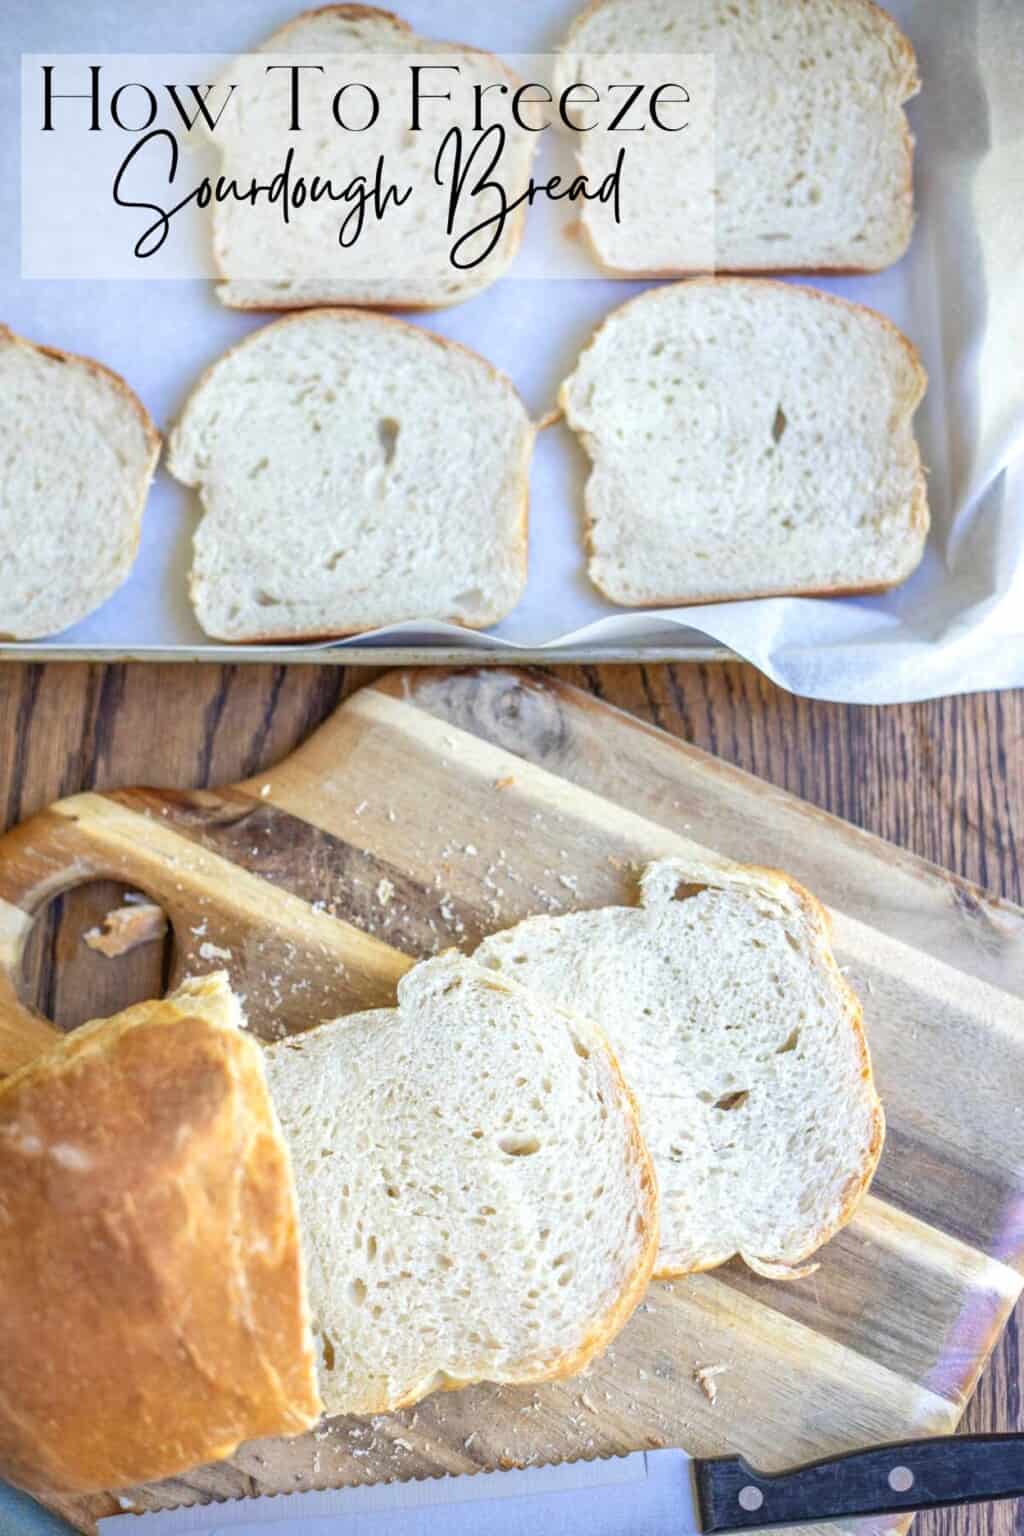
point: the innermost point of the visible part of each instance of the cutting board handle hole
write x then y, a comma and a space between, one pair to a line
60, 971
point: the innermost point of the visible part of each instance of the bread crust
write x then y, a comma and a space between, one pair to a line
919, 515
911, 87
365, 316
516, 224
154, 443
154, 1312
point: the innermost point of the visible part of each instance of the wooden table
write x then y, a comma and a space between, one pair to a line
945, 780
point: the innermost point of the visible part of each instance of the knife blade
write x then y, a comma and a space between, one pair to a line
661, 1493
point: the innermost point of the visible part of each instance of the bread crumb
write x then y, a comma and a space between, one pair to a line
265, 791
363, 805
704, 1376
210, 951
126, 928
385, 891
504, 783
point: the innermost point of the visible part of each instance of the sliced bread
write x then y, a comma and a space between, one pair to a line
355, 471
749, 439
743, 1044
474, 1202
476, 1199
154, 1311
403, 259
812, 152
77, 454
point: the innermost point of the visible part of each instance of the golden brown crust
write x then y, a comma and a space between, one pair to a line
920, 518
154, 1311
371, 317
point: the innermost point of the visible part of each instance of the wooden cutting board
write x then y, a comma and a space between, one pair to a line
434, 808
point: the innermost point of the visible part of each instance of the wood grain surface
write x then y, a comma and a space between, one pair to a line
944, 780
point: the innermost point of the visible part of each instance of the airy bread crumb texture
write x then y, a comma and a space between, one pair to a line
476, 1200
813, 152
744, 1047
355, 471
749, 438
77, 454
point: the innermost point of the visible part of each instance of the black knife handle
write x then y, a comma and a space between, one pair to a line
886, 1480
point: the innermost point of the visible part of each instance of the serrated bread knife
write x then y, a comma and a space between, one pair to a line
651, 1493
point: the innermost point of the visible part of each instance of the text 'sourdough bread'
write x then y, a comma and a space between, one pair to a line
153, 1307
77, 454
401, 259
744, 1046
748, 438
476, 1199
355, 471
809, 156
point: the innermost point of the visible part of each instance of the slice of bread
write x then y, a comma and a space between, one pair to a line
744, 1046
402, 260
154, 1311
812, 152
78, 451
476, 1199
355, 471
749, 439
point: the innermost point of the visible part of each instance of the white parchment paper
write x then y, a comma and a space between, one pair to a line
957, 626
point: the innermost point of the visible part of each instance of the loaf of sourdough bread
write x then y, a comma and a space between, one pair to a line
154, 1311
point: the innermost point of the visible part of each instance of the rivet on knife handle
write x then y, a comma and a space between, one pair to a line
890, 1479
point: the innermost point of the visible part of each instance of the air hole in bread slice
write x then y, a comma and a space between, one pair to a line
387, 435
779, 425
519, 1145
472, 599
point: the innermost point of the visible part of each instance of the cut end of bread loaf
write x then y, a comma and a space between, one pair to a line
355, 471
401, 260
476, 1199
743, 1044
749, 439
79, 451
809, 155
154, 1311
